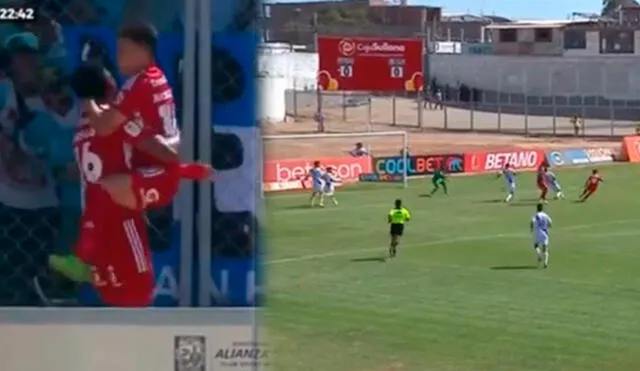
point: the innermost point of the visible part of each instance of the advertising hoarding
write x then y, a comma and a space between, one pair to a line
287, 174
108, 339
482, 162
419, 165
567, 157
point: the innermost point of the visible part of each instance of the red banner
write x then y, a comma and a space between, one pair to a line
281, 175
370, 64
482, 162
631, 148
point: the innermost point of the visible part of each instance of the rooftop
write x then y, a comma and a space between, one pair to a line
463, 17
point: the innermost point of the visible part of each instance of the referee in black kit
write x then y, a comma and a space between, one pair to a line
396, 218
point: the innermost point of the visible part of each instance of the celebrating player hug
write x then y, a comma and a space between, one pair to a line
323, 182
125, 151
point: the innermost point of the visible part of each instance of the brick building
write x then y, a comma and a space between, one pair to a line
297, 23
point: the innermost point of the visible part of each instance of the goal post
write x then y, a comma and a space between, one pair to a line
305, 148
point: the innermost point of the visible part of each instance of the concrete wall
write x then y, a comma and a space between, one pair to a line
592, 87
300, 69
607, 77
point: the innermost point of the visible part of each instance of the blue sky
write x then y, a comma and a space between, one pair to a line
517, 9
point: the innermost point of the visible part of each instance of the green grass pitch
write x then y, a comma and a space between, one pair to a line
462, 294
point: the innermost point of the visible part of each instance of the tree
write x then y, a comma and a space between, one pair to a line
610, 6
329, 16
341, 16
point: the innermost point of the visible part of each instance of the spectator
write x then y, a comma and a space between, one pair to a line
39, 197
51, 41
576, 123
439, 100
426, 96
359, 151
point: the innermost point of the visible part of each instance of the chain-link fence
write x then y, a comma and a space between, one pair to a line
565, 100
39, 195
356, 111
562, 96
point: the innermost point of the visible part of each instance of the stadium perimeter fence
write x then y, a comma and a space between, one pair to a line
467, 109
36, 221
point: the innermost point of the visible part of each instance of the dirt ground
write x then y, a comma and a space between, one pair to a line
425, 141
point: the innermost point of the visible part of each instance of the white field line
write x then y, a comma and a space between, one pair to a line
447, 241
522, 193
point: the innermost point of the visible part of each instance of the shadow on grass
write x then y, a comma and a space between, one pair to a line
494, 201
300, 207
369, 260
524, 203
425, 195
513, 267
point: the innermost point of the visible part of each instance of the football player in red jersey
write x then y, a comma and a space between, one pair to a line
591, 186
541, 182
143, 110
113, 239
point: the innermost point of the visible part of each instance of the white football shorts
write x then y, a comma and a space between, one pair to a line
541, 239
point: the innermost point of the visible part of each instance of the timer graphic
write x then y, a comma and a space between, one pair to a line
17, 14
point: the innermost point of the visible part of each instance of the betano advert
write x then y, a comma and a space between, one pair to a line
483, 162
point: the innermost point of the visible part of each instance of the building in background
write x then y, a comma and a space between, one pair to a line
297, 23
466, 27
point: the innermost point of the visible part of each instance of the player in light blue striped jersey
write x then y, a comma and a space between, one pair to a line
552, 181
330, 180
315, 173
540, 224
509, 175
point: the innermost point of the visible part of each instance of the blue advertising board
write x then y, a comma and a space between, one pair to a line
567, 157
379, 177
234, 273
600, 155
580, 156
419, 165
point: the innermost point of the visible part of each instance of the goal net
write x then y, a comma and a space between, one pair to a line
355, 157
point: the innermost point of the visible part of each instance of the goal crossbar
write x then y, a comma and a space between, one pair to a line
403, 134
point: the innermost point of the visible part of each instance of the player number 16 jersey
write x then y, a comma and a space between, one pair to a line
97, 157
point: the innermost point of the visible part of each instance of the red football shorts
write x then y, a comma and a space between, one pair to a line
155, 186
592, 189
118, 251
542, 186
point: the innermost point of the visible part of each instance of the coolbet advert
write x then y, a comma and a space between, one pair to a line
419, 165
349, 64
